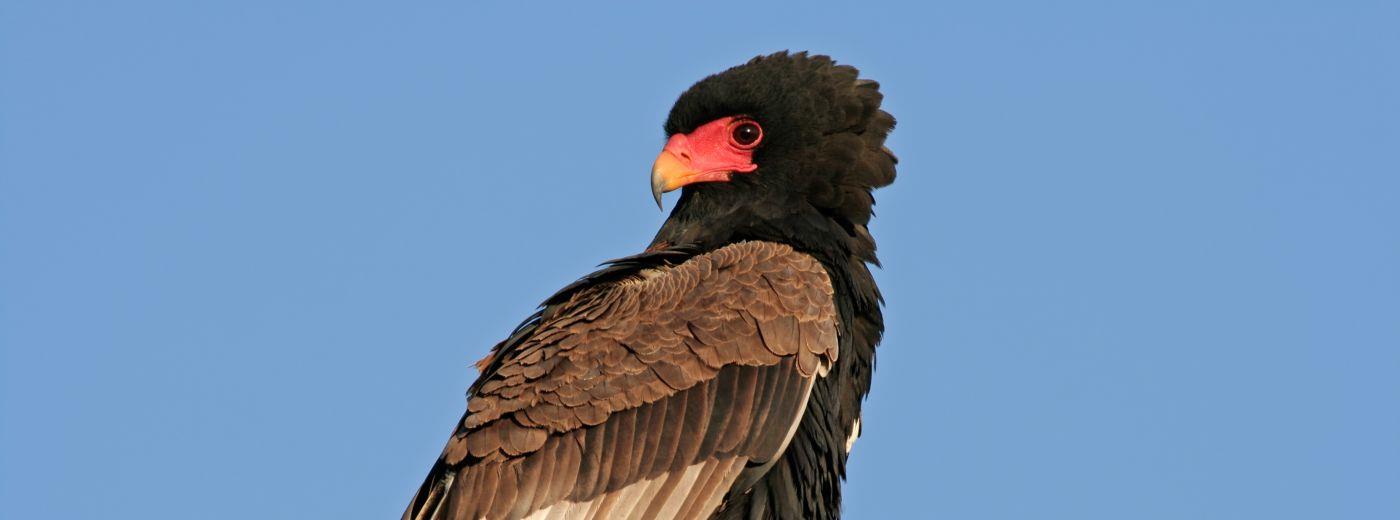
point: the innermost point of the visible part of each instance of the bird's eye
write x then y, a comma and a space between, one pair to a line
746, 134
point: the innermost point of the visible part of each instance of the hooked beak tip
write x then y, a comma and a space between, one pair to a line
656, 189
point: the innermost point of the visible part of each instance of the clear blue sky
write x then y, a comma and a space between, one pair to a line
1142, 259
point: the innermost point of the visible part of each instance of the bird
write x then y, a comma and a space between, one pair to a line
719, 372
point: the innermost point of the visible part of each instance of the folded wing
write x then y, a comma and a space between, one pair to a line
648, 397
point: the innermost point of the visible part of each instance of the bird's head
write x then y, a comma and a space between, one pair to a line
786, 147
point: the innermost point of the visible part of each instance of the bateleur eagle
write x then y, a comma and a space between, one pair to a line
719, 373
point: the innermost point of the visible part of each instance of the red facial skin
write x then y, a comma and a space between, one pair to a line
706, 154
710, 152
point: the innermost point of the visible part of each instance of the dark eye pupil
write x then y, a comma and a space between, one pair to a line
746, 134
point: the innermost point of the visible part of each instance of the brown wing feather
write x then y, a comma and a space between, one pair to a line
646, 397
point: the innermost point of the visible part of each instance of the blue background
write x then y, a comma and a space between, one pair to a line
1142, 260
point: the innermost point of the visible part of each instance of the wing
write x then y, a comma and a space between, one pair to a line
649, 397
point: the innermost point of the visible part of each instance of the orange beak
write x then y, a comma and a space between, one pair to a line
668, 173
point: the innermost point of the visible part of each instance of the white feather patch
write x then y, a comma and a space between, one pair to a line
855, 433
